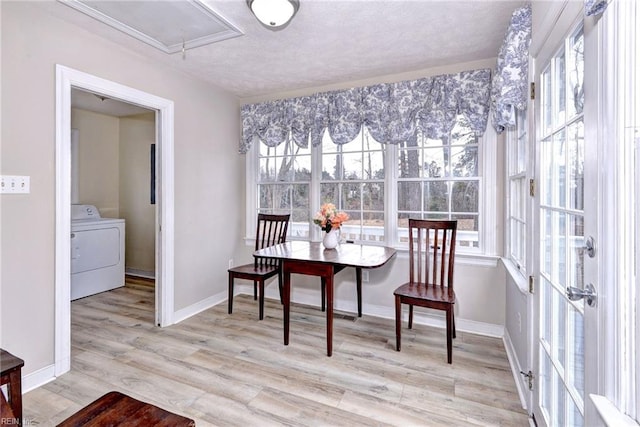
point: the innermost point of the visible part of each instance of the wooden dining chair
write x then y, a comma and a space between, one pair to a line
431, 255
271, 230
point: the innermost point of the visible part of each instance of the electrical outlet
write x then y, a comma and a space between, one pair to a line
231, 263
11, 184
365, 275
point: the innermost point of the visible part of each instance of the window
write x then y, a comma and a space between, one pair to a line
517, 192
353, 179
284, 178
439, 179
380, 185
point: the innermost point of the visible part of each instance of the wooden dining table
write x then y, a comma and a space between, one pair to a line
311, 258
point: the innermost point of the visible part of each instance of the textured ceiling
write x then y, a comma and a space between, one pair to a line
329, 41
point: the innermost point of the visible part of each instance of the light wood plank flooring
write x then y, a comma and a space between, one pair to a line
233, 370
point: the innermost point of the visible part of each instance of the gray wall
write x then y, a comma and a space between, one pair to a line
518, 325
98, 158
114, 175
137, 133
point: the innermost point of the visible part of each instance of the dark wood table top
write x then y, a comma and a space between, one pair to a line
9, 362
346, 254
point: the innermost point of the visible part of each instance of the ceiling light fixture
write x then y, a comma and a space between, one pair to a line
274, 14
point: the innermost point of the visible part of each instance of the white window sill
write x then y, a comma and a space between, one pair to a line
611, 416
462, 258
516, 275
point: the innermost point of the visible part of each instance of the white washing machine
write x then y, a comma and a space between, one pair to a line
97, 252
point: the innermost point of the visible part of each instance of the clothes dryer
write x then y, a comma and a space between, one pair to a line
97, 252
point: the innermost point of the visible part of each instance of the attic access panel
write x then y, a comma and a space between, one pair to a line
166, 25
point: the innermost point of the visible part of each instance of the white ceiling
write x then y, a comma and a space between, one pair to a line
328, 41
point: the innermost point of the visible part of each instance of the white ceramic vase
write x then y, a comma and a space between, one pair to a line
331, 239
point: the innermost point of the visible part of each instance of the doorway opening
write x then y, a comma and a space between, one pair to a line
113, 171
68, 79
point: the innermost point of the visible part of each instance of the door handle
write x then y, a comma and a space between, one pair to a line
588, 293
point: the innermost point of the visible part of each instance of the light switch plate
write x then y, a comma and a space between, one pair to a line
13, 184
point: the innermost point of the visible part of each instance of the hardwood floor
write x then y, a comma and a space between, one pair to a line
233, 370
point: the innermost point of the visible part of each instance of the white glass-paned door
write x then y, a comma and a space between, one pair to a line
561, 216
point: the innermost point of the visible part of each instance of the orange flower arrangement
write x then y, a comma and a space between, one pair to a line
329, 218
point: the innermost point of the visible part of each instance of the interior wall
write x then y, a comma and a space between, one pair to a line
114, 175
209, 174
98, 160
518, 323
137, 133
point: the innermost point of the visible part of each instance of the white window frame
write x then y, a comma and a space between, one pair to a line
622, 55
486, 255
619, 111
514, 174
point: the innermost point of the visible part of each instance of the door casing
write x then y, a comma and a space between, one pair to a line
67, 78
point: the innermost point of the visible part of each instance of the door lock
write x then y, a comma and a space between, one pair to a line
590, 246
589, 293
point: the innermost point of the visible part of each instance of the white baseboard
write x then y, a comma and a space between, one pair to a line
515, 371
184, 313
140, 273
38, 378
438, 321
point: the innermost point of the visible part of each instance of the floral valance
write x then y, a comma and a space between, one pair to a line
511, 79
594, 7
392, 112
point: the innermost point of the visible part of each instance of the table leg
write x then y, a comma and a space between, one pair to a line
329, 286
15, 394
323, 292
359, 289
286, 298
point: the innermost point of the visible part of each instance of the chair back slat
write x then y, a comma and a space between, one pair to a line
271, 230
432, 251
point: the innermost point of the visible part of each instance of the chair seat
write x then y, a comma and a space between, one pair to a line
251, 271
428, 292
117, 409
